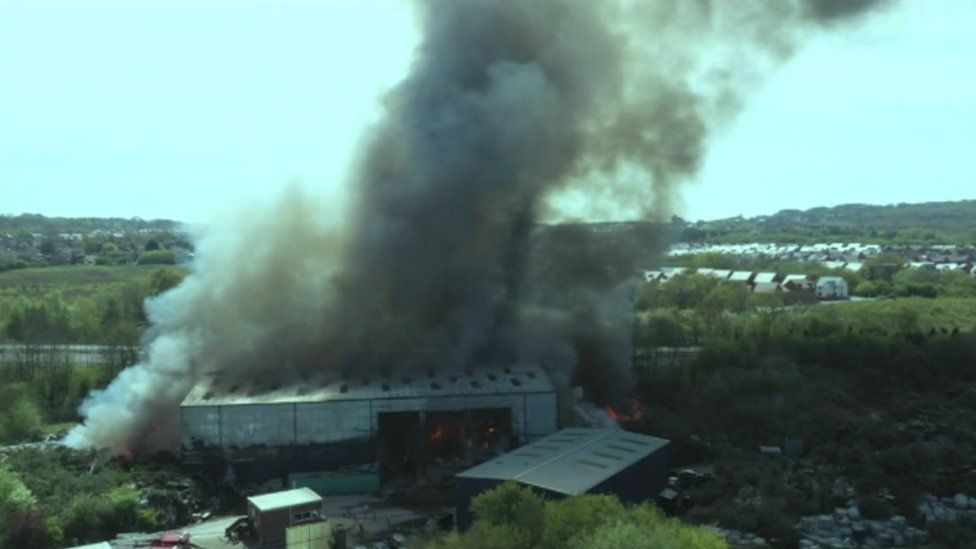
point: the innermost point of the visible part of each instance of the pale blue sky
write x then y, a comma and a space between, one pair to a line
181, 109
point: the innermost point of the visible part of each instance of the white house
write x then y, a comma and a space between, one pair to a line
832, 287
741, 276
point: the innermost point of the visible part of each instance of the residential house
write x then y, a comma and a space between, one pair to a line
767, 287
832, 288
797, 283
741, 276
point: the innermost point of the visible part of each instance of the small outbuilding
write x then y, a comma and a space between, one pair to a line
273, 514
571, 462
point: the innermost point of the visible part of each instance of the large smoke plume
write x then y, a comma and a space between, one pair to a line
510, 110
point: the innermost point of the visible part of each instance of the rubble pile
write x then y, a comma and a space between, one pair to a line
177, 501
736, 538
847, 528
936, 509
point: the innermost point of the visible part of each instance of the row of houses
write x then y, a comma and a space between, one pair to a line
852, 254
824, 288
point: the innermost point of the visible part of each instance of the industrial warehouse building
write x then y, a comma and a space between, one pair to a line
572, 462
328, 421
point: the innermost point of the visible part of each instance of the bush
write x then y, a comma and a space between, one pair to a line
34, 528
158, 257
22, 524
14, 496
20, 419
514, 517
91, 517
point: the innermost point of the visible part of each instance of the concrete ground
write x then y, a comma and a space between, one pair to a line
350, 511
368, 511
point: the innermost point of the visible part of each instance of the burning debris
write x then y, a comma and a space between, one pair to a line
636, 412
513, 112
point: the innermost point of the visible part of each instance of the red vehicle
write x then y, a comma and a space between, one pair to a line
172, 541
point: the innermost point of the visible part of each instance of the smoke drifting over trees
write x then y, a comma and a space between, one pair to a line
511, 111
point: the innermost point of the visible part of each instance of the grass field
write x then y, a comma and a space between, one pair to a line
71, 277
70, 280
77, 303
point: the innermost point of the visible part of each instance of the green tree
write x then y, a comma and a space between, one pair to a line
20, 419
574, 517
883, 266
686, 291
92, 517
957, 284
165, 279
514, 517
518, 509
40, 321
724, 297
14, 496
158, 257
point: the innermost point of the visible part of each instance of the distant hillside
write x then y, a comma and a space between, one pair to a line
36, 223
930, 222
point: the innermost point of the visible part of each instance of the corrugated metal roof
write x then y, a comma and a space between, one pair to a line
570, 461
333, 386
288, 498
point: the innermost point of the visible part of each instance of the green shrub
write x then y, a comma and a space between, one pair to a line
35, 529
514, 517
20, 419
91, 517
158, 257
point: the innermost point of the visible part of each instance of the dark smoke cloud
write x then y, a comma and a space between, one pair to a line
828, 11
509, 105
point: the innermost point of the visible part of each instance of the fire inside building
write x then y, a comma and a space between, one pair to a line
257, 432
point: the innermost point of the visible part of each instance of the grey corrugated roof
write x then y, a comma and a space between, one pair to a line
570, 461
288, 498
331, 386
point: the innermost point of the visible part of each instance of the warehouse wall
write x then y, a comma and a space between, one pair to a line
200, 424
640, 482
541, 411
269, 424
319, 422
533, 416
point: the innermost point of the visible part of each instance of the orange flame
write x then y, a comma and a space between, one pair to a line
446, 432
621, 417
